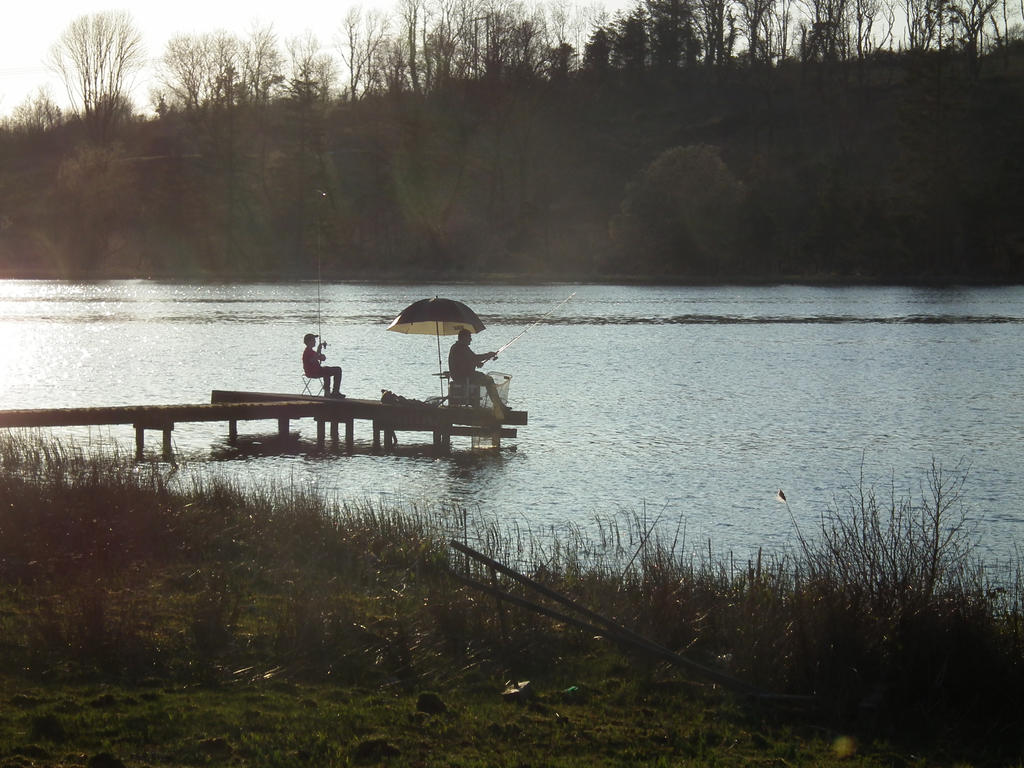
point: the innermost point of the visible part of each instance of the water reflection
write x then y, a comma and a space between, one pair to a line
262, 446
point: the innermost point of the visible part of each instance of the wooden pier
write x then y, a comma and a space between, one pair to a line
387, 419
233, 407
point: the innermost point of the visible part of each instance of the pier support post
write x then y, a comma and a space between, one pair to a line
232, 430
321, 426
282, 427
334, 433
390, 439
140, 440
349, 435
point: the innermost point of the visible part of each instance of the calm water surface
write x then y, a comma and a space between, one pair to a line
690, 406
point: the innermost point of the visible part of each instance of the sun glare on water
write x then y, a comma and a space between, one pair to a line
25, 315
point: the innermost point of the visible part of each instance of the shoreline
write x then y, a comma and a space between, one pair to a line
508, 279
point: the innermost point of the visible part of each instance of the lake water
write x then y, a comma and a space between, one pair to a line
689, 406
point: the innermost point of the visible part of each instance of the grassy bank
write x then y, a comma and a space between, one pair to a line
152, 619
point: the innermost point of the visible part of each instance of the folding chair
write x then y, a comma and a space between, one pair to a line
462, 392
306, 381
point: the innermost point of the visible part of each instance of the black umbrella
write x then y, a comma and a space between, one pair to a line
438, 317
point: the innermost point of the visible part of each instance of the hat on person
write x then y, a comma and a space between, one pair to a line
308, 338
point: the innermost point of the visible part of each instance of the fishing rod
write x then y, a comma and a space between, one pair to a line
539, 320
319, 236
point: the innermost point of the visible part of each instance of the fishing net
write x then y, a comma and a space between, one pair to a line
501, 382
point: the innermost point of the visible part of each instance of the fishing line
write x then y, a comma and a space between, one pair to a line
539, 320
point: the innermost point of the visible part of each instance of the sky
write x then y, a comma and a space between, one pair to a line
30, 28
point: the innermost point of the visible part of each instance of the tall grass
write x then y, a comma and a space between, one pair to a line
107, 566
896, 612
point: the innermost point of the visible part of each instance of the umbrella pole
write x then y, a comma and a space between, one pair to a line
440, 377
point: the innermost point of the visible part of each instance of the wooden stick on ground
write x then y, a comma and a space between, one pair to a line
610, 629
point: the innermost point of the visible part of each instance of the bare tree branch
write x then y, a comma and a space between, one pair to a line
97, 56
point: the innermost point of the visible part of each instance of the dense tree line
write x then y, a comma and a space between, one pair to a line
682, 139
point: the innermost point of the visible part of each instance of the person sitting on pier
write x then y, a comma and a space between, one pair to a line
311, 366
462, 367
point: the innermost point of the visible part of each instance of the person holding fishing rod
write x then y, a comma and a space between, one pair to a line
312, 360
463, 361
462, 366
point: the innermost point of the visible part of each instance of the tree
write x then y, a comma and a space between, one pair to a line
439, 42
262, 65
410, 12
716, 24
97, 56
37, 113
598, 51
827, 36
95, 200
394, 66
865, 14
777, 29
755, 14
922, 21
683, 210
671, 33
312, 73
202, 71
560, 62
629, 43
224, 86
527, 45
362, 38
970, 16
573, 23
304, 163
183, 73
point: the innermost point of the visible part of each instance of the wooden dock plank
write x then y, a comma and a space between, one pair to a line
156, 416
425, 416
234, 406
